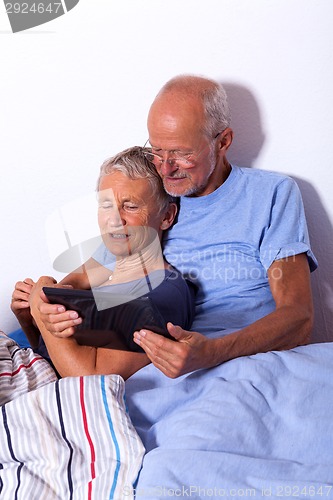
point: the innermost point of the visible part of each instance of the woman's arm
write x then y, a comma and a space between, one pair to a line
72, 359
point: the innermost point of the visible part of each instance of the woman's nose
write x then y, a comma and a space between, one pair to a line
115, 219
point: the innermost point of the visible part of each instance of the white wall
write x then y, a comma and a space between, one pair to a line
76, 90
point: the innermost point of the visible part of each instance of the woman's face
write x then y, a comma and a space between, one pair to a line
127, 214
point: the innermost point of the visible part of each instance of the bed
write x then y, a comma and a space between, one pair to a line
256, 426
259, 426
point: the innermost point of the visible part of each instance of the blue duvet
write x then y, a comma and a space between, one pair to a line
257, 426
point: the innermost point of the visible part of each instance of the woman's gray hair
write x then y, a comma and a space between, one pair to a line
133, 163
212, 95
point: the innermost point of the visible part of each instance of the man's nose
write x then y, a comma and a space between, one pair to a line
167, 165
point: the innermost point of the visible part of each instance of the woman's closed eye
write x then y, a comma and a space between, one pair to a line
105, 205
131, 207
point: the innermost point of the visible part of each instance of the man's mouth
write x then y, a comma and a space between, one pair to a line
175, 178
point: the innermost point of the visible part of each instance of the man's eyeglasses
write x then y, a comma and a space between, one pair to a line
185, 159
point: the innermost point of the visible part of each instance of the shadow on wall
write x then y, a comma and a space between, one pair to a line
321, 237
246, 123
248, 141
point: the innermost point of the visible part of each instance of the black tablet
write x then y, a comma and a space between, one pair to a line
115, 314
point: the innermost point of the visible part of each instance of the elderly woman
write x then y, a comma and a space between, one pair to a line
133, 212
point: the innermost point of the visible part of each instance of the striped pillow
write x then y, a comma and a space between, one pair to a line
69, 439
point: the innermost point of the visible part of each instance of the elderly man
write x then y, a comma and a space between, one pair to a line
241, 235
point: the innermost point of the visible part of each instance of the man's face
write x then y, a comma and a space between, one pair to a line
185, 157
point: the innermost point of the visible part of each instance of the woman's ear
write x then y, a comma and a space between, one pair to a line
169, 216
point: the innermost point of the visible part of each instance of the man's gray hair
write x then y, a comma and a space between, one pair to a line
133, 163
212, 95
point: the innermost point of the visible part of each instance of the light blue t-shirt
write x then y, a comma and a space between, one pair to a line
226, 241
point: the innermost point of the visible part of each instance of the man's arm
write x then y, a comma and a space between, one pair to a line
287, 327
72, 359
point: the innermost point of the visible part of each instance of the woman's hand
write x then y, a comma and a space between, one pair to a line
56, 319
20, 302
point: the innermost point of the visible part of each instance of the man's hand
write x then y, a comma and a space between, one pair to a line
56, 319
191, 350
20, 302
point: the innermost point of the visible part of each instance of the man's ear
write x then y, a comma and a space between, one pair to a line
225, 139
169, 216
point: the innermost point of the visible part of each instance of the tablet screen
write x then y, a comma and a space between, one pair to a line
120, 314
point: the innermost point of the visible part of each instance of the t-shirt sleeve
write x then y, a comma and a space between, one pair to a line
287, 232
175, 300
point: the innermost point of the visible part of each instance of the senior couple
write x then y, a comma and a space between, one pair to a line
240, 235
